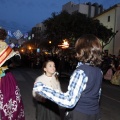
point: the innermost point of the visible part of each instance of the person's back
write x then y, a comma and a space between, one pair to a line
89, 100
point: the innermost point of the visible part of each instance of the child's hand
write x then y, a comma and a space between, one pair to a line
42, 99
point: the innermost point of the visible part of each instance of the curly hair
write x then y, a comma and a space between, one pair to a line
89, 49
3, 34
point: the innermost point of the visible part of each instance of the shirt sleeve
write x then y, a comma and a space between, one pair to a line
68, 99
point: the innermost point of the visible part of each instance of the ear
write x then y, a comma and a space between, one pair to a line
45, 69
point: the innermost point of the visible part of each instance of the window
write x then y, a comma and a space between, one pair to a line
72, 5
108, 18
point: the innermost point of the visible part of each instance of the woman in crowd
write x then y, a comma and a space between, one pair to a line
116, 77
11, 106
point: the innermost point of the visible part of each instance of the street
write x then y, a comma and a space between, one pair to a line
110, 99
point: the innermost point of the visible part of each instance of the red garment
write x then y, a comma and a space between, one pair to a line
11, 105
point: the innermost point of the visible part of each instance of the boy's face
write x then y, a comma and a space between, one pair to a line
50, 68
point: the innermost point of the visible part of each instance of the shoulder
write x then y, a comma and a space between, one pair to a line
2, 43
77, 73
40, 78
54, 78
78, 70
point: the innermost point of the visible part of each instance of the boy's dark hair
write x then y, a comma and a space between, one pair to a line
89, 49
3, 34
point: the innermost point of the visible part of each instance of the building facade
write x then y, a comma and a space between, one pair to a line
111, 19
89, 9
37, 30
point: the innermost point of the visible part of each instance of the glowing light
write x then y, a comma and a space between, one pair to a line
50, 42
22, 50
29, 48
46, 53
65, 44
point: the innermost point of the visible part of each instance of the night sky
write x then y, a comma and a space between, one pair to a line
25, 14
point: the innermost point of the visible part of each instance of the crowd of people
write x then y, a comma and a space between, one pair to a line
89, 67
67, 63
111, 69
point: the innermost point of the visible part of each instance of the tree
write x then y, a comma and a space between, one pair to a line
106, 41
72, 26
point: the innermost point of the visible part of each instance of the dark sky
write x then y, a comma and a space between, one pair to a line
24, 14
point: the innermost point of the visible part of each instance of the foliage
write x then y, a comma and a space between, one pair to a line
72, 26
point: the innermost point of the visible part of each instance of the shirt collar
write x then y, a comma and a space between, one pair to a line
80, 63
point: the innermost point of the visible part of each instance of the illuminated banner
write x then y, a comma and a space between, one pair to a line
25, 35
18, 34
10, 33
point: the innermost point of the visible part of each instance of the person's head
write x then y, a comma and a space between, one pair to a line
49, 67
3, 34
89, 49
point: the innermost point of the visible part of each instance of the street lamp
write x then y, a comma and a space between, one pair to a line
22, 50
29, 47
50, 41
